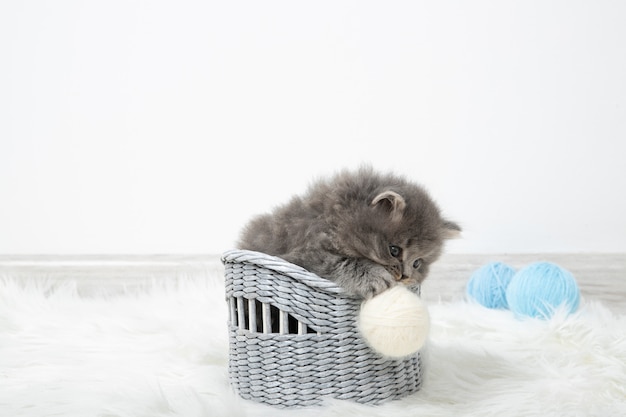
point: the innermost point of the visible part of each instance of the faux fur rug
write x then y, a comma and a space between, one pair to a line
164, 352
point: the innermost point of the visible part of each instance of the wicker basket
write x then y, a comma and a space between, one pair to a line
294, 341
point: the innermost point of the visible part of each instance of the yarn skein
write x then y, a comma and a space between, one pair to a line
488, 285
540, 288
394, 323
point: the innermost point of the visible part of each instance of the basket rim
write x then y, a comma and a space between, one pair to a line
280, 265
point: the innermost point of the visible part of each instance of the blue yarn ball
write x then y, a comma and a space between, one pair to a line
540, 288
489, 283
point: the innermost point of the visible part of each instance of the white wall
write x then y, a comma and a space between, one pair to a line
161, 127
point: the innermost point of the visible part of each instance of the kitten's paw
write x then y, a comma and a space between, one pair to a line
375, 288
374, 281
363, 279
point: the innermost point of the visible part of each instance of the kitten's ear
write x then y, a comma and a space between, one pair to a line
392, 201
451, 230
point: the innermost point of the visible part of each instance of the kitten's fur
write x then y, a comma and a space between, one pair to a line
348, 229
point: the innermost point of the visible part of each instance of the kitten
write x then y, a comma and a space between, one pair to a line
363, 230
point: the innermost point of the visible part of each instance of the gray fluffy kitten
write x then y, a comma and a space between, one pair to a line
364, 230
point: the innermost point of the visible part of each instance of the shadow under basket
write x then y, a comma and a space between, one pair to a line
294, 341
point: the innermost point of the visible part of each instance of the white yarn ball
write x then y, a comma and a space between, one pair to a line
395, 323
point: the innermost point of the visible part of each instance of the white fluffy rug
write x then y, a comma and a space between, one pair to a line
164, 352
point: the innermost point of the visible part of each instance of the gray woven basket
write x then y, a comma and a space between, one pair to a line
294, 341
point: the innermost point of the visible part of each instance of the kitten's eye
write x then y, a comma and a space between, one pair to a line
418, 263
394, 251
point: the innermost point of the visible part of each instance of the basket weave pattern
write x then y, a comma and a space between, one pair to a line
295, 370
